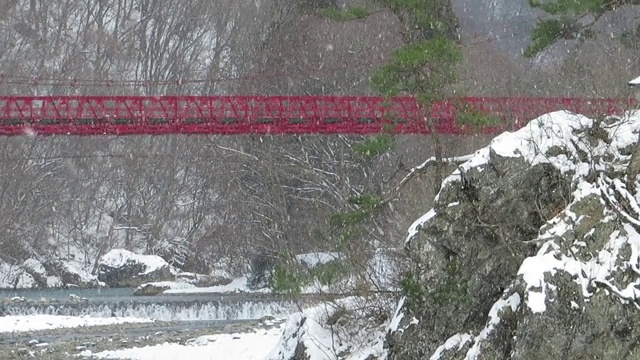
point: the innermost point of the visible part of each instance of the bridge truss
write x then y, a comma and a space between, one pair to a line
233, 115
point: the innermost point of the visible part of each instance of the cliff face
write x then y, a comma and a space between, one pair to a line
531, 250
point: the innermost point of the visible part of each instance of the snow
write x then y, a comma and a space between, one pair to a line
240, 346
355, 339
512, 303
238, 285
578, 157
85, 276
119, 257
531, 143
635, 82
384, 270
11, 323
35, 266
54, 282
550, 259
397, 317
418, 224
191, 311
314, 259
12, 276
169, 285
456, 341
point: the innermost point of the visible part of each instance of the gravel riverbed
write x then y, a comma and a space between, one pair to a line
67, 343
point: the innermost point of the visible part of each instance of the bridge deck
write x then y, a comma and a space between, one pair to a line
231, 115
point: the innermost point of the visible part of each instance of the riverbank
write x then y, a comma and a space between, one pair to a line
146, 340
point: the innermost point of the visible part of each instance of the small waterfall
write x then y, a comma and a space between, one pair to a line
171, 311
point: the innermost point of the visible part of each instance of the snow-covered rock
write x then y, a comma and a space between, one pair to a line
202, 280
238, 285
346, 329
122, 268
157, 288
531, 250
15, 277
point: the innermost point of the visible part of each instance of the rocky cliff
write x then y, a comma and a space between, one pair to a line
531, 251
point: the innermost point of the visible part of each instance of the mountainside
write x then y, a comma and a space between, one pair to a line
531, 251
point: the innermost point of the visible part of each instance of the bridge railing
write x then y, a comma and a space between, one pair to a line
88, 115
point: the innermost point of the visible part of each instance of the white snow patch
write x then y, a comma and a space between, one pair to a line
54, 282
77, 268
168, 285
418, 224
119, 257
35, 266
314, 259
13, 276
456, 341
397, 317
242, 346
512, 302
238, 285
12, 323
355, 340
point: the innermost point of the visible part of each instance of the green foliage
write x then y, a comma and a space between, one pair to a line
568, 20
475, 117
365, 206
374, 145
352, 13
412, 290
347, 235
364, 201
346, 218
425, 19
330, 273
547, 32
570, 7
287, 279
423, 69
455, 288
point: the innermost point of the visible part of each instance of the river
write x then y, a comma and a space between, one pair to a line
107, 302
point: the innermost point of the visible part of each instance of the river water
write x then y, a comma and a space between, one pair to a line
107, 302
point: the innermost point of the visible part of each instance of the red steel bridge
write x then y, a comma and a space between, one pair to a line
231, 115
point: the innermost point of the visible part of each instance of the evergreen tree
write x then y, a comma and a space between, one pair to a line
573, 20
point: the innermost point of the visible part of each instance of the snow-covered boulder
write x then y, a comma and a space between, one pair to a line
37, 271
69, 274
122, 268
46, 274
15, 277
202, 280
348, 329
531, 250
157, 288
